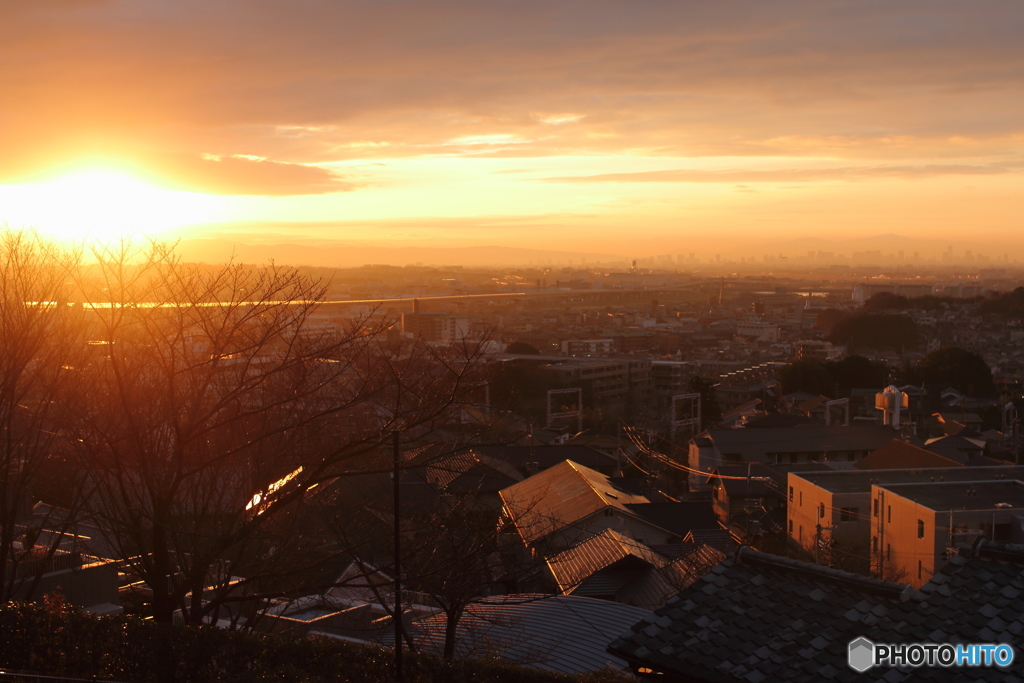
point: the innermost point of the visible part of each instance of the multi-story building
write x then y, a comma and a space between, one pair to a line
838, 446
436, 326
916, 527
588, 347
843, 511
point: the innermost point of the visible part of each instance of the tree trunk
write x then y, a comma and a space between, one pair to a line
451, 628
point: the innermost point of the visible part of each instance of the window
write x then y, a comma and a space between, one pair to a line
889, 513
920, 532
919, 569
790, 494
801, 499
888, 552
848, 514
874, 544
821, 511
801, 530
875, 510
790, 527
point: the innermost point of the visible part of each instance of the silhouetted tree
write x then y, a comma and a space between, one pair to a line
522, 348
40, 340
811, 376
898, 332
855, 372
216, 405
955, 367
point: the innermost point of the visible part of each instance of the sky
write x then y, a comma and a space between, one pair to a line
627, 128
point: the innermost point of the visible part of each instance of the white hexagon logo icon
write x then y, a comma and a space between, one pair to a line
861, 655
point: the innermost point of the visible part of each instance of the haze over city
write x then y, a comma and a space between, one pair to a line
589, 131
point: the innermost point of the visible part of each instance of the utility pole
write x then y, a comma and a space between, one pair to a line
399, 629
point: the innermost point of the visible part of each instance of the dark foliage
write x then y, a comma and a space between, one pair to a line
1007, 305
887, 301
954, 367
833, 378
60, 642
827, 318
807, 375
882, 331
522, 348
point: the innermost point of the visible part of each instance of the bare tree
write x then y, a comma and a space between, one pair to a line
216, 403
38, 333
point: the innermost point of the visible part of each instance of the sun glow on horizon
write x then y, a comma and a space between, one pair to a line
99, 205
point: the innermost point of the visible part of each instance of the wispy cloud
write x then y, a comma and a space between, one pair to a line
732, 176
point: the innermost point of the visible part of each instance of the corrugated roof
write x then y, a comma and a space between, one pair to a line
572, 567
565, 633
560, 496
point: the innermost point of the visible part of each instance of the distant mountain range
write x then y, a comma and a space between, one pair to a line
344, 255
348, 255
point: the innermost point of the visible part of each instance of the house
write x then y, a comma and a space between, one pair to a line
900, 455
611, 566
836, 446
758, 618
568, 503
736, 489
563, 633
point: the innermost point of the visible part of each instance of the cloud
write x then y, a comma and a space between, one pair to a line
305, 82
236, 175
786, 175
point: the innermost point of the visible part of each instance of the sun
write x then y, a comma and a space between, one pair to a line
100, 205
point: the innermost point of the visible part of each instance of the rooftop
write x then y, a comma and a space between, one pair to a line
757, 444
860, 481
560, 496
955, 495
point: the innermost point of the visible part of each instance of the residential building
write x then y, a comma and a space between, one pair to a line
834, 511
836, 446
918, 525
566, 504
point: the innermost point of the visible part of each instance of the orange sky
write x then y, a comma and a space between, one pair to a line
624, 128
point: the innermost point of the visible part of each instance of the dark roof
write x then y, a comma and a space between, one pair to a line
756, 444
719, 539
679, 518
758, 617
898, 454
860, 481
958, 448
548, 456
955, 495
564, 633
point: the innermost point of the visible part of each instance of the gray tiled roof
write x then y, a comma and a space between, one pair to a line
564, 633
758, 617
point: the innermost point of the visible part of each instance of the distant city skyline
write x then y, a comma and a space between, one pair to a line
605, 128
